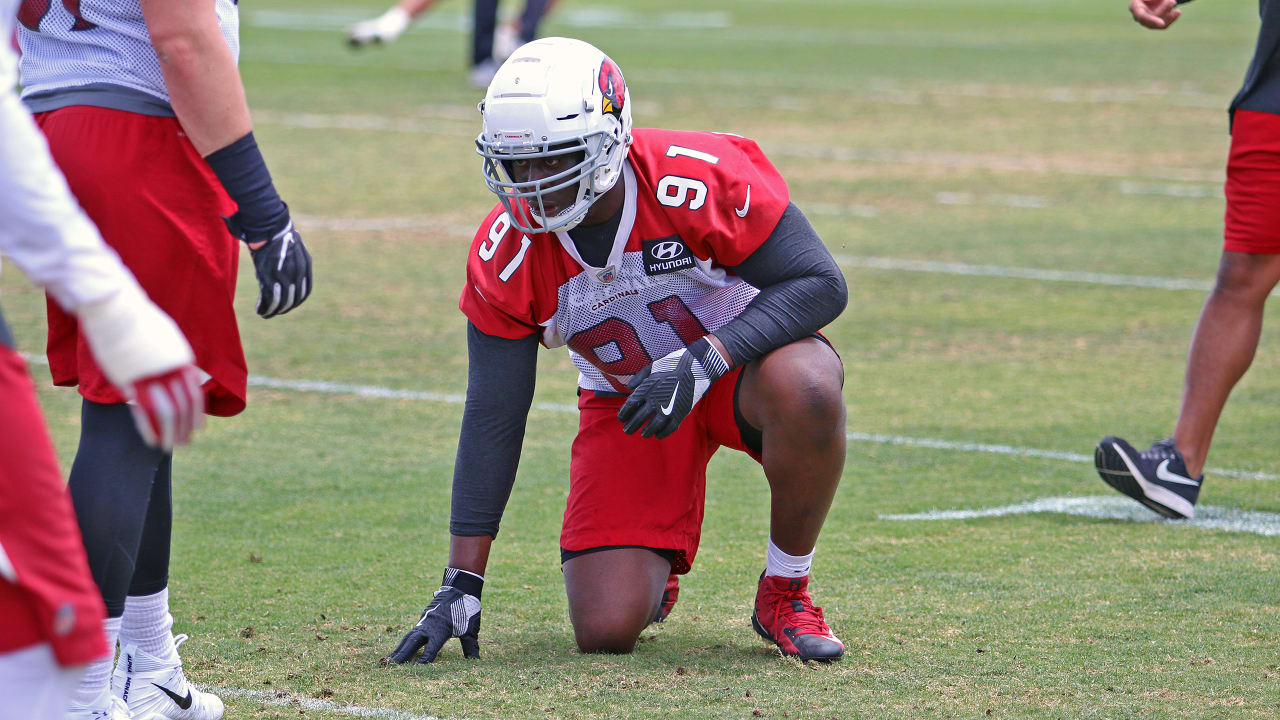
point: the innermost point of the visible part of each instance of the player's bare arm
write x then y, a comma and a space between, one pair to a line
1155, 14
207, 96
199, 71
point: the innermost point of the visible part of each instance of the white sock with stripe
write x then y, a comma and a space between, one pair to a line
779, 564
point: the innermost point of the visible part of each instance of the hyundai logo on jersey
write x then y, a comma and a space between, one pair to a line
667, 250
666, 255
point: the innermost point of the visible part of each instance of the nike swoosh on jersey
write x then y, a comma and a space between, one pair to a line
667, 410
742, 212
180, 701
1162, 473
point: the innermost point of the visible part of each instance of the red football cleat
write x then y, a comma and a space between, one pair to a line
785, 615
669, 596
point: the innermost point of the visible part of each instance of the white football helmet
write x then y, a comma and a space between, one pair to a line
555, 96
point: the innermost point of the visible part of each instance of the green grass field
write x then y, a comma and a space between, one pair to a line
924, 138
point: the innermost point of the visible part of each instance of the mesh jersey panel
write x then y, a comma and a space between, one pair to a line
107, 43
618, 324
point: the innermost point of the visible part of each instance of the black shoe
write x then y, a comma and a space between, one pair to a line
1156, 477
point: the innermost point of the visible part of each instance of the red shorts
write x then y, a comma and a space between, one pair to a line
1253, 184
54, 599
629, 490
159, 205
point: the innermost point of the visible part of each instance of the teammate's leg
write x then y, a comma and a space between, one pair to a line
1167, 477
613, 594
485, 19
151, 571
1225, 340
149, 676
531, 17
516, 31
110, 484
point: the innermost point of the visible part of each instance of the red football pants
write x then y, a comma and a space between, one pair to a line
46, 592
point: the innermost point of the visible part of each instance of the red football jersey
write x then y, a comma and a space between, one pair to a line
696, 202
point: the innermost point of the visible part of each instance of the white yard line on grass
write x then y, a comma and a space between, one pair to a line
1181, 190
968, 198
327, 121
376, 224
1040, 165
996, 449
1208, 517
301, 702
1020, 273
585, 17
377, 392
891, 156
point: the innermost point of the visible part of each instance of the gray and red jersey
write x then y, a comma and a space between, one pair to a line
97, 52
695, 203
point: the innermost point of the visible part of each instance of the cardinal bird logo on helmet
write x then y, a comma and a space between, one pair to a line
613, 88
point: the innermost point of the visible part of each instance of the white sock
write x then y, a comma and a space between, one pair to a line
780, 564
148, 624
97, 674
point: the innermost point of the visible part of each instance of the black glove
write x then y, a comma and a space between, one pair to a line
453, 612
283, 267
665, 391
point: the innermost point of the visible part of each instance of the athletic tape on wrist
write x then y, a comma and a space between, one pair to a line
709, 358
467, 582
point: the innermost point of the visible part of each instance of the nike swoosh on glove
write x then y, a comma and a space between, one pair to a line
283, 267
453, 612
664, 393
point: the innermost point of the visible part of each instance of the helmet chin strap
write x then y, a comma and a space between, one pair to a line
571, 224
587, 192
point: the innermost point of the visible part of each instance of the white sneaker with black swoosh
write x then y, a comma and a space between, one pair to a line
1156, 477
156, 689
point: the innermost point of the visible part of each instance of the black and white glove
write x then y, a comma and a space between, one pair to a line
453, 612
283, 267
664, 393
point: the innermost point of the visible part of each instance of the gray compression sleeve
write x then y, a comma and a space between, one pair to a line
500, 376
801, 290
